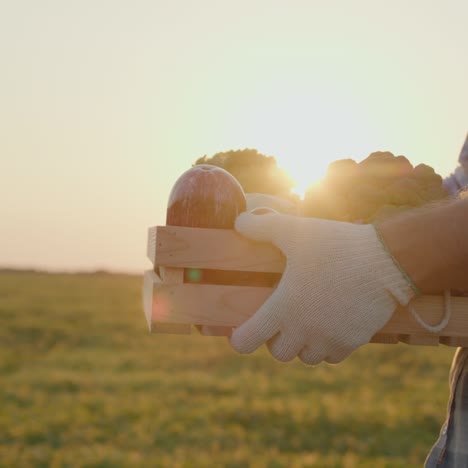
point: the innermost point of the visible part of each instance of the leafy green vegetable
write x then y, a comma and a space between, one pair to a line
379, 186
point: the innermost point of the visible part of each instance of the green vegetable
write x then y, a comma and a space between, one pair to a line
381, 185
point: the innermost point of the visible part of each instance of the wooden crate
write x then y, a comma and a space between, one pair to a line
213, 280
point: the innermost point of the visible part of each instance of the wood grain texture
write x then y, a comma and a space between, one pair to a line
204, 304
426, 340
230, 306
385, 338
151, 283
216, 308
454, 341
217, 249
171, 275
151, 244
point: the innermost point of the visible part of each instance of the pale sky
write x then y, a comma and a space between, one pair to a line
104, 103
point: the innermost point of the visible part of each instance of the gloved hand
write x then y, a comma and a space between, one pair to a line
339, 288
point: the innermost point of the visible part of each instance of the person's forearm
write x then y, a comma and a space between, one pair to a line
431, 245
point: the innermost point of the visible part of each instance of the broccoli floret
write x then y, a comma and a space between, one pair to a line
423, 170
434, 193
388, 211
322, 203
385, 212
402, 192
385, 167
341, 174
380, 186
403, 166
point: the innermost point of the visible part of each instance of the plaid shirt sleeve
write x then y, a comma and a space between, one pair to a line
459, 178
451, 449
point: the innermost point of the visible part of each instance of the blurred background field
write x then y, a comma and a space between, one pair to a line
83, 384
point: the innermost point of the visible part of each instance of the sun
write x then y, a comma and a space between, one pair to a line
306, 126
304, 177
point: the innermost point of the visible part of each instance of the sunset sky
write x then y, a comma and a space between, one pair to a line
104, 103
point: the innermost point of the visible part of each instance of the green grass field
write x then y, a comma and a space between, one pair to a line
83, 384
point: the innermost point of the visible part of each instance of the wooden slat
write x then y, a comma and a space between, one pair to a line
151, 244
384, 338
424, 340
150, 279
151, 283
454, 341
230, 306
431, 310
165, 328
214, 331
226, 306
218, 249
216, 308
171, 275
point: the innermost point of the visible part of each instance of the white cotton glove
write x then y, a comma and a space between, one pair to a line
265, 200
339, 288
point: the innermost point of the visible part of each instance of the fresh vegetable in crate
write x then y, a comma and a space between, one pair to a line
380, 186
205, 196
